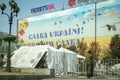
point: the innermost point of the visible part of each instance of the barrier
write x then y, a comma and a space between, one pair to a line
108, 69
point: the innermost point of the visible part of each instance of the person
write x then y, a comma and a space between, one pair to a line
90, 65
1, 60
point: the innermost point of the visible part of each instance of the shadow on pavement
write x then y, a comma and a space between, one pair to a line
24, 77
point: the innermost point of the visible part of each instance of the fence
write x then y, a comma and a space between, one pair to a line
109, 68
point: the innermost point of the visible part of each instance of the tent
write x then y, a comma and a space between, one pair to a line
70, 60
80, 57
62, 60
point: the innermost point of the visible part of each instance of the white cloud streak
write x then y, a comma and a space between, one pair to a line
105, 3
110, 12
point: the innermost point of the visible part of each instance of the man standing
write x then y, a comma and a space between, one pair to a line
90, 65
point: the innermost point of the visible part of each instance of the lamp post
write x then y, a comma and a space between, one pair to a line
13, 12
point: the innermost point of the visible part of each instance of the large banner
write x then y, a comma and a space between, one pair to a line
71, 26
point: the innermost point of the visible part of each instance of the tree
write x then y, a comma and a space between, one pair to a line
72, 48
115, 47
59, 46
82, 47
95, 49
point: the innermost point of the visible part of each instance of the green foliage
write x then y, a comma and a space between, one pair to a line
0, 41
115, 47
9, 38
59, 46
95, 49
72, 48
82, 47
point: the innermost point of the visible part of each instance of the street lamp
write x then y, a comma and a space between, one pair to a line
13, 12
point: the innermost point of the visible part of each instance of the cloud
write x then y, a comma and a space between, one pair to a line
61, 13
54, 14
110, 12
105, 3
100, 5
89, 14
107, 12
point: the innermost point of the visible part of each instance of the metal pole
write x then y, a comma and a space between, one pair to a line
9, 43
92, 56
95, 27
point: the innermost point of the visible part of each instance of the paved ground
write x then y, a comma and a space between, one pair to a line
46, 77
32, 76
78, 78
39, 77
